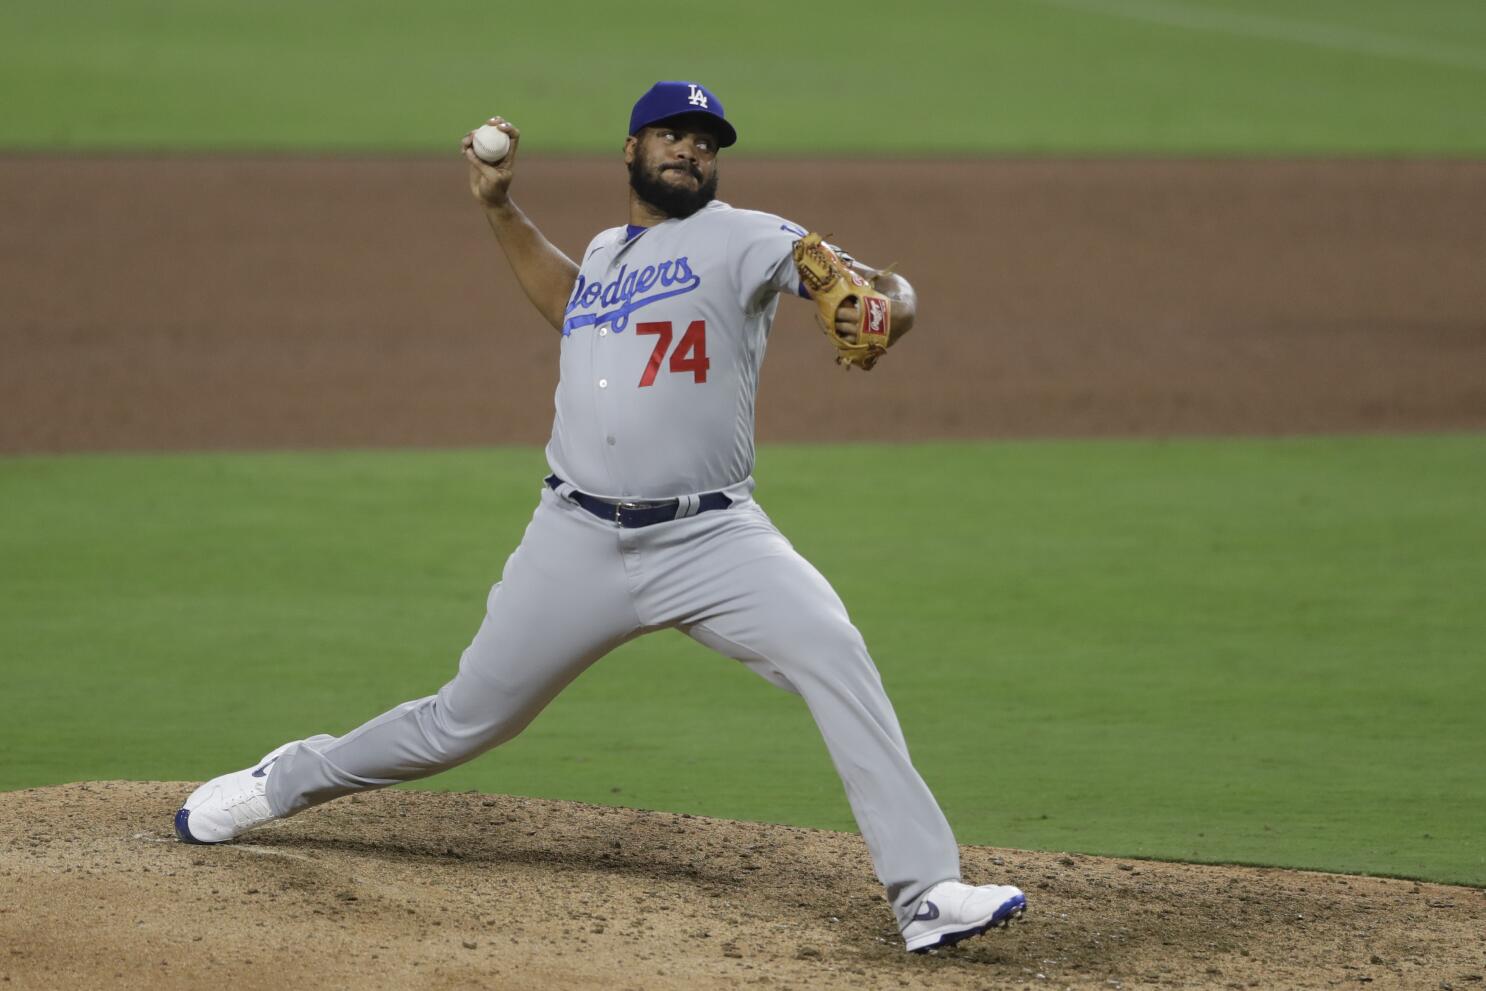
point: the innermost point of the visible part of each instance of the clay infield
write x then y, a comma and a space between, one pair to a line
226, 303
210, 303
427, 890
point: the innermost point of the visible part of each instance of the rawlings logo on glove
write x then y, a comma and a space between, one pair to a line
831, 282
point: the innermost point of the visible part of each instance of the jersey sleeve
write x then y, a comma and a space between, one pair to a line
761, 253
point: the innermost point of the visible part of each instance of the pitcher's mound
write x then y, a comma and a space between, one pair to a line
431, 890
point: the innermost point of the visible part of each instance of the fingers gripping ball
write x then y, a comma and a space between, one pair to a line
832, 282
491, 143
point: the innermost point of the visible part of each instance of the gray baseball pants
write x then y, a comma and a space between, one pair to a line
576, 588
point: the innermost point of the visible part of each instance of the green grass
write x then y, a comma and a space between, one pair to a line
1256, 651
945, 77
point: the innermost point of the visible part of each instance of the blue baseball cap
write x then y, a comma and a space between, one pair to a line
669, 99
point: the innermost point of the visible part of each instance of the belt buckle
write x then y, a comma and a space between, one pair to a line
621, 506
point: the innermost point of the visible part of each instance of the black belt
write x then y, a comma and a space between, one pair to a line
641, 513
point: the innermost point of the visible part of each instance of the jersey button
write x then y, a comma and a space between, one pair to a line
610, 439
603, 383
603, 331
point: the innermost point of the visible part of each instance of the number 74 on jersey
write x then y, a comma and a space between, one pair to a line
690, 354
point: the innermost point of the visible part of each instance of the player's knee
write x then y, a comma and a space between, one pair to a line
453, 738
843, 638
821, 647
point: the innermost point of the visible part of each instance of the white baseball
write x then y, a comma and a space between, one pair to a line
491, 143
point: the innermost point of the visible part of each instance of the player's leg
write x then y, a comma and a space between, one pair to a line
749, 595
562, 603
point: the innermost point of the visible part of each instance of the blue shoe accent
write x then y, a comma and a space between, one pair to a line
262, 771
1014, 906
183, 828
927, 912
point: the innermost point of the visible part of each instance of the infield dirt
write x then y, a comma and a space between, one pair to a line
428, 890
206, 303
201, 303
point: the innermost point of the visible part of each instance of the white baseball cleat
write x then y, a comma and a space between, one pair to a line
951, 911
229, 805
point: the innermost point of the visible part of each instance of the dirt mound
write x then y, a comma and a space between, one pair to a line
434, 890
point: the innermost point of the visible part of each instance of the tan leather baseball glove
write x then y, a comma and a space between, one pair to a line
832, 282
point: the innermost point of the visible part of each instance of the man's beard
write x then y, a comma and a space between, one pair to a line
673, 201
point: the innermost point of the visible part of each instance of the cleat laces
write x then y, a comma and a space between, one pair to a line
247, 807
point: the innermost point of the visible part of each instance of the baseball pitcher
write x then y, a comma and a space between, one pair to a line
647, 520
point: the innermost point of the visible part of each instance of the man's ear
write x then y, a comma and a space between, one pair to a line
630, 144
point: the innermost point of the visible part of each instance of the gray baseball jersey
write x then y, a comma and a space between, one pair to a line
662, 342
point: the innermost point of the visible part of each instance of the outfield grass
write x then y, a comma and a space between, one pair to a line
945, 77
1258, 651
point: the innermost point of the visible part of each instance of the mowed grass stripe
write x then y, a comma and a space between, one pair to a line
1337, 35
949, 77
1256, 651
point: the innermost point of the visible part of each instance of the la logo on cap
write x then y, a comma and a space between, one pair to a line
676, 98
